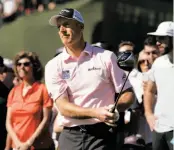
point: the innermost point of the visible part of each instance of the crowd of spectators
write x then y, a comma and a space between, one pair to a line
11, 9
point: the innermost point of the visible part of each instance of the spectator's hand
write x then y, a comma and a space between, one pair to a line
144, 85
24, 146
151, 119
18, 145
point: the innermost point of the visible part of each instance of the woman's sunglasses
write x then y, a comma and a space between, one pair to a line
26, 64
143, 61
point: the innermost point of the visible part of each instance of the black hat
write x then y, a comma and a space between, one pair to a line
68, 13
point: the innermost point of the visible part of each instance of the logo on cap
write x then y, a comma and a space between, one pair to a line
64, 11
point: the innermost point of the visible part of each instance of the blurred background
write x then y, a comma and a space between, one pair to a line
24, 23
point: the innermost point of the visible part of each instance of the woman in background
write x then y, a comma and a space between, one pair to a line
29, 106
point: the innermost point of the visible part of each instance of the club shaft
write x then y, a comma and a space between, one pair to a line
117, 99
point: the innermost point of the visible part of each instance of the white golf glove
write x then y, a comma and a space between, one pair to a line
116, 117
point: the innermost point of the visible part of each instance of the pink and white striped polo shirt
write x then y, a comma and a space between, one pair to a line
90, 80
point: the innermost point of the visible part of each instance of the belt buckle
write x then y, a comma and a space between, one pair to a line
83, 128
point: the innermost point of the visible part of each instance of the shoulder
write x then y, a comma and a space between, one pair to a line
53, 62
16, 89
159, 61
103, 53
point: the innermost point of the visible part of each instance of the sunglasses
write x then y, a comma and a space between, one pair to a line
26, 64
160, 38
143, 61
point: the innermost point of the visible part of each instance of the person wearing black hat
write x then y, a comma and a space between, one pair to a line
82, 81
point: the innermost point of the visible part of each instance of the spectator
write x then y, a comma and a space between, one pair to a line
126, 46
29, 105
137, 78
84, 104
5, 86
161, 81
151, 49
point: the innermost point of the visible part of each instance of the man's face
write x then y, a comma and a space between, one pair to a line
70, 31
163, 43
152, 53
126, 48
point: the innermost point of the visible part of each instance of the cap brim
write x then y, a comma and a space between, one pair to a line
54, 19
158, 34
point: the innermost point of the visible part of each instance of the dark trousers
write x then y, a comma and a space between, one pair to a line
161, 141
88, 137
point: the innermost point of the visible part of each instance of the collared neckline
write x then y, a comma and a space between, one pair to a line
88, 50
21, 86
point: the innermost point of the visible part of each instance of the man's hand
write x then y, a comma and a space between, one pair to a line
104, 115
151, 119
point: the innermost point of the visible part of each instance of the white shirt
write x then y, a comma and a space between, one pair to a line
136, 79
162, 73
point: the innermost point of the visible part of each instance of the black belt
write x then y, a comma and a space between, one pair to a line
95, 129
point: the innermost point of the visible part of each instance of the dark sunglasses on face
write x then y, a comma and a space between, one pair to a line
26, 64
143, 61
160, 39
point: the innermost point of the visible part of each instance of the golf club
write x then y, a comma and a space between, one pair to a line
125, 61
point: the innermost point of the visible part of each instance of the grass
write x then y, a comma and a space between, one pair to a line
33, 33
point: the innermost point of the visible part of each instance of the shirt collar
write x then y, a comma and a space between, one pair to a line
88, 50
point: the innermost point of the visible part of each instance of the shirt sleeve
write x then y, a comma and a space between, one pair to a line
56, 86
47, 101
118, 76
10, 97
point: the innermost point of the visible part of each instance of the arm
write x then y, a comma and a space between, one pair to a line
73, 111
10, 130
117, 77
149, 97
126, 100
8, 142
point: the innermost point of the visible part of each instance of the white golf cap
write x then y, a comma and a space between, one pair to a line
68, 13
164, 29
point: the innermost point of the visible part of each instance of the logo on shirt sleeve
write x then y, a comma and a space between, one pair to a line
65, 74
